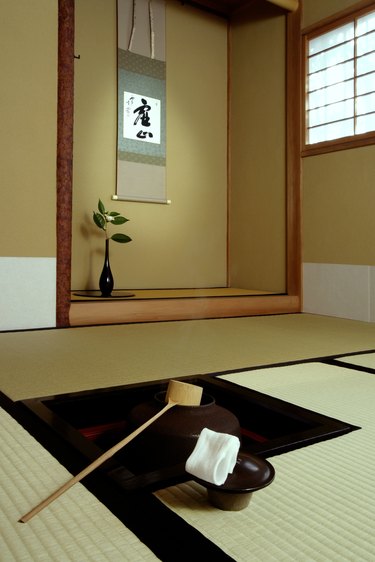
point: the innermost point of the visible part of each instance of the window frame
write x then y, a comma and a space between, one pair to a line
328, 24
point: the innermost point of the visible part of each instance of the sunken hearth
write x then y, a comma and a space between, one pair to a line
90, 422
77, 428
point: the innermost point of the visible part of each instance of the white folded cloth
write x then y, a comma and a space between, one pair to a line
214, 456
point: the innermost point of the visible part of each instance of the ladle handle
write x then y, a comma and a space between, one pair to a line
97, 462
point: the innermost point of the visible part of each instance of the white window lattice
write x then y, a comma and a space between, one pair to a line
340, 97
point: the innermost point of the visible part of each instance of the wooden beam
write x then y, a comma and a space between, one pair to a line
290, 5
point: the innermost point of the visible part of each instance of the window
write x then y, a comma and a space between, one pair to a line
340, 84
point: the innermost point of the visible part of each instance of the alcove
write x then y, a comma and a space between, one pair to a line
253, 243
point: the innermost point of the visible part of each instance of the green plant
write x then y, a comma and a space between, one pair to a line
102, 218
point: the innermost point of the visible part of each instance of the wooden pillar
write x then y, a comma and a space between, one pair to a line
64, 162
293, 164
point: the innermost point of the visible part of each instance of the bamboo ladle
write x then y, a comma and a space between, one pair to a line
178, 393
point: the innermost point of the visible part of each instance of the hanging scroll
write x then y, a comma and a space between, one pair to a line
141, 104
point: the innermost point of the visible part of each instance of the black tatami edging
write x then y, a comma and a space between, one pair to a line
166, 534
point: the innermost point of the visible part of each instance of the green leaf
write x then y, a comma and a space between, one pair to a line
101, 207
113, 214
99, 220
119, 220
122, 238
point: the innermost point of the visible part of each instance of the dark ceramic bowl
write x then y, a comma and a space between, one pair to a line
250, 474
171, 438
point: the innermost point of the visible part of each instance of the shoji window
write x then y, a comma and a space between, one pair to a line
340, 84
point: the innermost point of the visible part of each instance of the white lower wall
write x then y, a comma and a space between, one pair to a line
345, 291
27, 293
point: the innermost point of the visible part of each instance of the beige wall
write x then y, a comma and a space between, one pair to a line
337, 218
28, 100
338, 199
258, 227
177, 245
338, 207
182, 244
316, 10
338, 190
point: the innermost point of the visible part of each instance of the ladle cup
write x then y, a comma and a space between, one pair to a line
178, 393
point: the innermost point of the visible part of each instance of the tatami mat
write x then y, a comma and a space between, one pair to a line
321, 505
48, 362
75, 528
366, 360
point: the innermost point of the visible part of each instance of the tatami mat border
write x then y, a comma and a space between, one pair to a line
181, 532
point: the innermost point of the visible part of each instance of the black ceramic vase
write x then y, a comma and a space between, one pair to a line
106, 278
170, 439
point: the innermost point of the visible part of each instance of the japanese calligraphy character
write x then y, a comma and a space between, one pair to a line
143, 115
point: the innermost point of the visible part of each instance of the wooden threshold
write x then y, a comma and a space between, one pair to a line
123, 311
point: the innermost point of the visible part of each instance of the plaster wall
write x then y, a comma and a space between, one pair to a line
184, 244
338, 227
28, 101
337, 187
178, 245
257, 134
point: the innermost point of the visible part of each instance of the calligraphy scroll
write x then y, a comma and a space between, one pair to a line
141, 103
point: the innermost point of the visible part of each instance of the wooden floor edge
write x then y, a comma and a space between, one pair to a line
158, 310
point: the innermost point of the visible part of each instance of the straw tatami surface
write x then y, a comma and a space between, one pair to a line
76, 528
321, 505
48, 362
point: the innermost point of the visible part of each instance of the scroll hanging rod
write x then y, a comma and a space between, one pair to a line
291, 5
